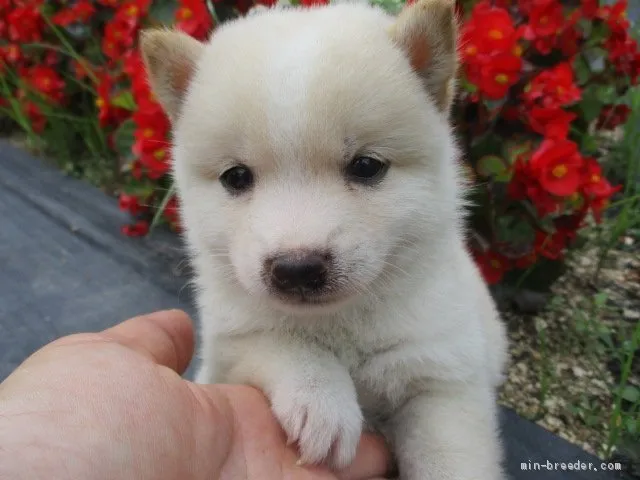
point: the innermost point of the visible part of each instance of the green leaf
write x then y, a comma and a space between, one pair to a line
591, 105
487, 144
514, 230
631, 393
163, 12
582, 70
598, 33
632, 425
139, 189
514, 148
124, 138
600, 299
494, 167
589, 144
390, 6
124, 100
467, 85
607, 94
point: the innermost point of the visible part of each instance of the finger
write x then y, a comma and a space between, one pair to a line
373, 460
166, 337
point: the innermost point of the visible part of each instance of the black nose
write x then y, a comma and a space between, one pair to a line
295, 271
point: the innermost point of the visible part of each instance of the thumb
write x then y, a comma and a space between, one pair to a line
165, 337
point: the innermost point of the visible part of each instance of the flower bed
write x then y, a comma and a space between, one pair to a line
539, 79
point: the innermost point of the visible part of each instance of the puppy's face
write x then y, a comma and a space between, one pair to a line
311, 149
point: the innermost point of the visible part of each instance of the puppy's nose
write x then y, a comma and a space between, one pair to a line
293, 271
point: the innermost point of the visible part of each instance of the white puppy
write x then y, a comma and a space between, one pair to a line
322, 202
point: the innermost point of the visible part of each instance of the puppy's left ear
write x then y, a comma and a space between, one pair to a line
170, 58
427, 32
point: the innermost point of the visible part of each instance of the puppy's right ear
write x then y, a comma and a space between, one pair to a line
427, 32
170, 58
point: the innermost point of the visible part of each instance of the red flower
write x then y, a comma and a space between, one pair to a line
134, 10
171, 209
557, 165
492, 265
490, 50
193, 18
554, 87
36, 118
138, 229
130, 203
490, 29
25, 24
568, 225
118, 38
612, 116
544, 202
10, 54
120, 32
142, 94
569, 41
46, 81
599, 204
499, 75
133, 65
552, 245
596, 188
521, 178
551, 122
526, 261
156, 160
108, 114
524, 184
151, 145
311, 3
624, 54
615, 16
152, 130
546, 19
525, 6
81, 70
79, 12
590, 8
172, 214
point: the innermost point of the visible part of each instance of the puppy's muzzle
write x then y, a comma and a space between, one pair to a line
298, 272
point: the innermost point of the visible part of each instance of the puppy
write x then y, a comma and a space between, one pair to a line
323, 208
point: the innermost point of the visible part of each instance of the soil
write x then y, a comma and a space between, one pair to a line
566, 360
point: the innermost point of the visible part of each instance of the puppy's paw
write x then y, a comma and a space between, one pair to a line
325, 420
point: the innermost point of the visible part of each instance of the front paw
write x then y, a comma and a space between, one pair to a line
325, 421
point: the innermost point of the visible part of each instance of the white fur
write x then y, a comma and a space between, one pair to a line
414, 346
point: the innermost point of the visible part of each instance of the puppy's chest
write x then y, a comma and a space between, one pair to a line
361, 352
349, 345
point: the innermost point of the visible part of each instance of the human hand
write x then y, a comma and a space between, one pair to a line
113, 405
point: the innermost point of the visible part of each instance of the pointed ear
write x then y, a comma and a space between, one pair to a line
170, 58
427, 32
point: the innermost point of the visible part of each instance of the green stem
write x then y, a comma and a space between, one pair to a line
70, 50
614, 427
212, 12
624, 201
165, 200
19, 115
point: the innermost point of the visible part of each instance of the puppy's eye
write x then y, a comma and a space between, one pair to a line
366, 170
237, 179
